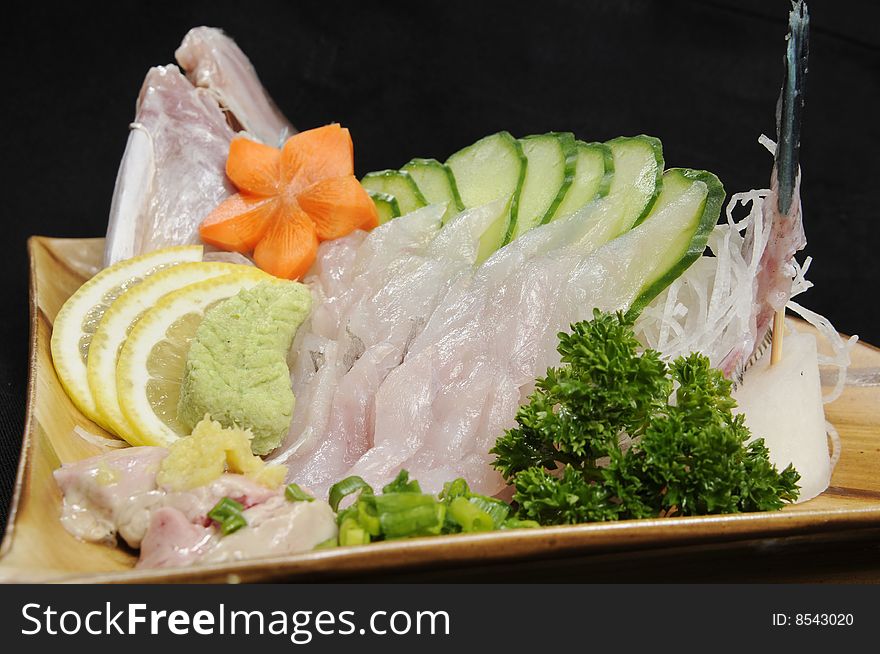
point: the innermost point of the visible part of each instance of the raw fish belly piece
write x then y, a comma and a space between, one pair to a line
172, 174
783, 405
276, 527
111, 493
172, 541
118, 493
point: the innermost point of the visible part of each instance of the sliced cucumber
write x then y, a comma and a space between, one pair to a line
492, 168
673, 235
551, 160
592, 178
638, 175
638, 178
436, 183
398, 184
386, 205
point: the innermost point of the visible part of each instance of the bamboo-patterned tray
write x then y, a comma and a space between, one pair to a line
37, 548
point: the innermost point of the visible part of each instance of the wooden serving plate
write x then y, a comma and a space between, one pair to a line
37, 548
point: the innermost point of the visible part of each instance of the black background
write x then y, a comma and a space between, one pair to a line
425, 78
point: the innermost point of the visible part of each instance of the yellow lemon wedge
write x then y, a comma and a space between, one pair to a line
152, 362
120, 319
78, 320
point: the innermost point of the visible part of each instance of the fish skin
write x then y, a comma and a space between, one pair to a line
173, 171
214, 61
172, 174
782, 207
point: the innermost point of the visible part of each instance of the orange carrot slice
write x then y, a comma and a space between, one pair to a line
370, 221
254, 167
317, 154
338, 206
238, 223
289, 246
289, 199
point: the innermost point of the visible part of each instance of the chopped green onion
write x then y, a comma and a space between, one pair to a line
469, 516
228, 514
296, 494
409, 514
515, 523
351, 533
346, 487
403, 511
367, 516
402, 484
497, 509
328, 544
350, 512
455, 488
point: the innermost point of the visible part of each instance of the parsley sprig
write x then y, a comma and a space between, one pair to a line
614, 433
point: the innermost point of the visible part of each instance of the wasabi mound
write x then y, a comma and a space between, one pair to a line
236, 369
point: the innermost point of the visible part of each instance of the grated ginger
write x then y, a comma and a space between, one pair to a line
200, 458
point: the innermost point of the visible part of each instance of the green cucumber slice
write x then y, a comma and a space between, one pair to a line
686, 211
386, 205
593, 173
638, 178
550, 171
436, 183
400, 185
638, 175
492, 168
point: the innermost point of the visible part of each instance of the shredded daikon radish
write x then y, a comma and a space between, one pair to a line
834, 437
710, 307
99, 441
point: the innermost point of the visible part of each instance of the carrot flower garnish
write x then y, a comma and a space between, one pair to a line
290, 199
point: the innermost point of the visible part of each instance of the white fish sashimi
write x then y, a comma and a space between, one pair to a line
214, 61
439, 413
172, 174
385, 309
323, 351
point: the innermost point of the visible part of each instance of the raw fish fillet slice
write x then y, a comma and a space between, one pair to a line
214, 62
322, 351
383, 321
172, 173
439, 413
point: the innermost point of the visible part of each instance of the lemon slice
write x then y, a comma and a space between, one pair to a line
119, 320
78, 319
151, 363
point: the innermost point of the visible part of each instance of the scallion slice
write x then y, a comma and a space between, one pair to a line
351, 533
228, 514
402, 484
296, 494
496, 508
409, 514
469, 516
346, 487
455, 488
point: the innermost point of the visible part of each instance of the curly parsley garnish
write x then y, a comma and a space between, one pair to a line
615, 434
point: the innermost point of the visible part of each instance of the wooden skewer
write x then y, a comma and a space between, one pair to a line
778, 331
